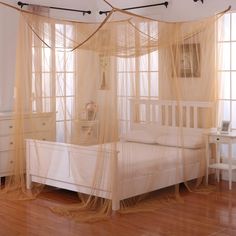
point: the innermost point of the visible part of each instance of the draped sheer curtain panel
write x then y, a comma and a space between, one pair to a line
127, 103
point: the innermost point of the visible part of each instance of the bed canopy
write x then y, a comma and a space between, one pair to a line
94, 79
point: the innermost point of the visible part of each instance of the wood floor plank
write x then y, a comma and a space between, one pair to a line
211, 214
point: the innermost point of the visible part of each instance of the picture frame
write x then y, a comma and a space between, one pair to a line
187, 60
225, 127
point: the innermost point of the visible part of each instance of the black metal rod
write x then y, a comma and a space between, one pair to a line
22, 4
198, 0
132, 8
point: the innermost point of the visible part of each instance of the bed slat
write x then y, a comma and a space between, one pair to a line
188, 116
167, 113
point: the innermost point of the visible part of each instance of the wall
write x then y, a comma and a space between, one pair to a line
8, 32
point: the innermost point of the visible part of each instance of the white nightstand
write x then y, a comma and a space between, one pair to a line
220, 138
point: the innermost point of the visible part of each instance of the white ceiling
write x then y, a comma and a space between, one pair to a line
178, 10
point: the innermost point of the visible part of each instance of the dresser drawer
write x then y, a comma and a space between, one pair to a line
6, 143
30, 125
46, 136
219, 139
6, 162
6, 127
38, 124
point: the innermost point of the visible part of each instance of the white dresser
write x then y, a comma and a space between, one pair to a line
37, 125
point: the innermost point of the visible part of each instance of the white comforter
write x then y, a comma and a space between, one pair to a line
142, 159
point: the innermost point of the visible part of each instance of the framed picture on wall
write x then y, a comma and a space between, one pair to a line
187, 60
225, 126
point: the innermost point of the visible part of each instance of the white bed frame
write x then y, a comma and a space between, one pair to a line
40, 155
168, 114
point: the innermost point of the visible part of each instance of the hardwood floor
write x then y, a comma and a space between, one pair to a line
200, 215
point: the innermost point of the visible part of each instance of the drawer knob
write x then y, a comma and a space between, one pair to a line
43, 123
11, 143
44, 139
217, 139
10, 127
11, 162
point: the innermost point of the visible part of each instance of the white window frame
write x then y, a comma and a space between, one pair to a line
230, 100
53, 80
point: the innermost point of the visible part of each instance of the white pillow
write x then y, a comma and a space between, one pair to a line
140, 136
177, 140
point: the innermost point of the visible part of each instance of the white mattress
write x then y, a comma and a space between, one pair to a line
142, 159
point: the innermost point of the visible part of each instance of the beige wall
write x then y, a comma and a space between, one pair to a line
8, 35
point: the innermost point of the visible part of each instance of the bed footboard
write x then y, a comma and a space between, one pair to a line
70, 167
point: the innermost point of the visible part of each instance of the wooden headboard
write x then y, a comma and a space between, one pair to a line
174, 114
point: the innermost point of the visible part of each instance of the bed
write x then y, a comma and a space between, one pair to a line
136, 166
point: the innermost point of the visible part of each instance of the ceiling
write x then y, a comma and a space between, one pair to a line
177, 10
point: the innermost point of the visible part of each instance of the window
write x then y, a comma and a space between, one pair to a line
136, 77
227, 67
53, 76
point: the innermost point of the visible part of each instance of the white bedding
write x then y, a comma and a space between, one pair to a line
143, 159
167, 137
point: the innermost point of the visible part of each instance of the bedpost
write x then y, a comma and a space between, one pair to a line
28, 178
115, 204
131, 112
115, 196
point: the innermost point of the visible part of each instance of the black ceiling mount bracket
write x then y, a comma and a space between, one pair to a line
132, 8
22, 4
198, 0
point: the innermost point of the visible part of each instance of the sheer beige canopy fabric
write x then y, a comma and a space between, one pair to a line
88, 86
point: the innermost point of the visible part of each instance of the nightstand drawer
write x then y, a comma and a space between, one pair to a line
219, 139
